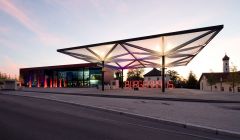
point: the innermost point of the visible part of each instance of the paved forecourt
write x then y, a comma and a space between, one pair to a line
216, 116
177, 93
47, 120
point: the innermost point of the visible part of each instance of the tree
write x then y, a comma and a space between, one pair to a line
135, 74
234, 77
3, 76
174, 76
192, 81
182, 82
119, 76
211, 79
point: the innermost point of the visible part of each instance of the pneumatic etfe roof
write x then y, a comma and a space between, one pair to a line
178, 48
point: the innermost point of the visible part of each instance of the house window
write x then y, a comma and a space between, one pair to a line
230, 89
226, 64
238, 89
215, 87
149, 78
157, 78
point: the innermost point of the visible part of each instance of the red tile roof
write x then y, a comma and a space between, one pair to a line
153, 72
225, 76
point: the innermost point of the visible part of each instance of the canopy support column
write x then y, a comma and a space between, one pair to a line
102, 75
163, 73
122, 79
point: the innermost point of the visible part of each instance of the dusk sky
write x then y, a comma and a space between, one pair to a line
32, 30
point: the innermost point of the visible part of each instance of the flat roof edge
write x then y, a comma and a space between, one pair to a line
61, 66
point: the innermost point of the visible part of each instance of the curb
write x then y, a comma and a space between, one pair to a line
153, 119
169, 122
140, 97
213, 130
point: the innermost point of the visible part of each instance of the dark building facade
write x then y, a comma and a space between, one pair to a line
75, 75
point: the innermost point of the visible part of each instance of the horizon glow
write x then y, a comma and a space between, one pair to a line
32, 31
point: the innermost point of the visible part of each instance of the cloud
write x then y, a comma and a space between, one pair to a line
68, 6
9, 44
47, 38
4, 41
4, 30
102, 8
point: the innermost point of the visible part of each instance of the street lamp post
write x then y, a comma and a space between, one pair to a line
103, 75
221, 83
122, 79
163, 73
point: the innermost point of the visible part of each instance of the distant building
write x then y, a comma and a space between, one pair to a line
226, 64
222, 80
8, 84
155, 75
74, 75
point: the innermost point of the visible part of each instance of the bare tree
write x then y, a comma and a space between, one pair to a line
174, 76
135, 74
234, 77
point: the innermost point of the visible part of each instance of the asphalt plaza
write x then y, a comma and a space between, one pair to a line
215, 116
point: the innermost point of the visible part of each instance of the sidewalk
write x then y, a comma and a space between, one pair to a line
214, 116
187, 95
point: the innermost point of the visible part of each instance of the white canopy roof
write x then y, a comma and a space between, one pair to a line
178, 48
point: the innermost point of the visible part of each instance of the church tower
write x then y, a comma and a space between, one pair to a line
225, 63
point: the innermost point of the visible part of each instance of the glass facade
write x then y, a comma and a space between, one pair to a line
61, 77
95, 77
